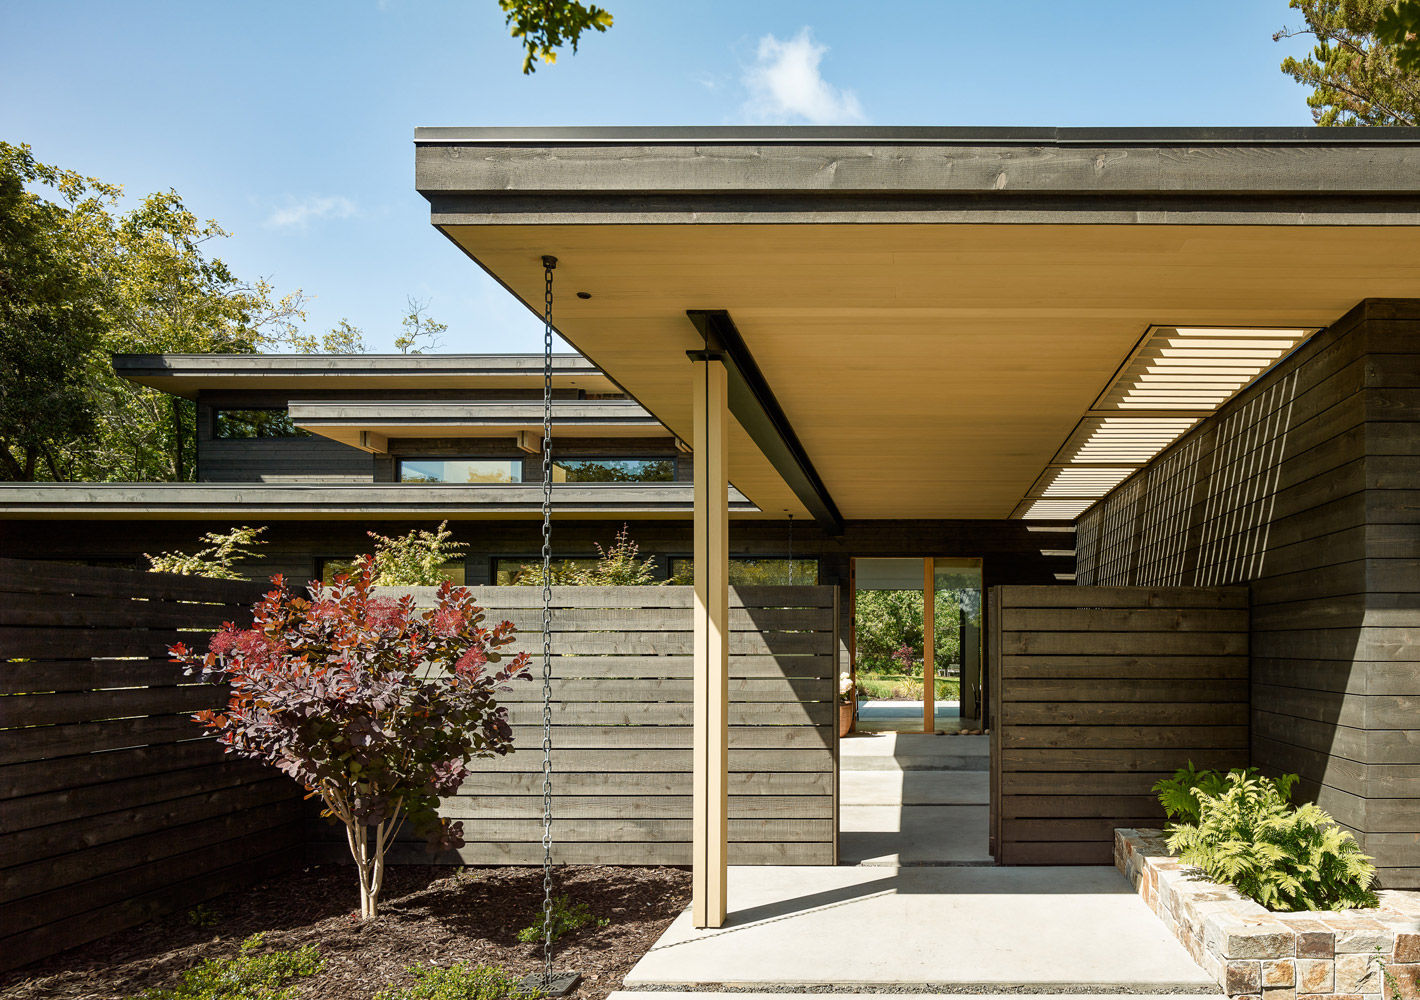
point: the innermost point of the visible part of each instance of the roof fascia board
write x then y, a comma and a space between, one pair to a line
912, 135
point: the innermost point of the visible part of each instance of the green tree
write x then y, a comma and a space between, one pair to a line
1399, 27
52, 310
547, 25
81, 280
422, 332
343, 338
888, 620
1365, 67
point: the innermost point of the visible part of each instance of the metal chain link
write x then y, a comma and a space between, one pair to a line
548, 264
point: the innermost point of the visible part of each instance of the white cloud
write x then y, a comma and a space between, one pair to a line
785, 84
298, 214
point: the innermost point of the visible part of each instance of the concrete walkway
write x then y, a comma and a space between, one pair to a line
913, 799
1081, 928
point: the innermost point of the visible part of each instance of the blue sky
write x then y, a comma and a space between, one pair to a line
291, 123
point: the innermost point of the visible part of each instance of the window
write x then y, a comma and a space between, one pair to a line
528, 572
754, 571
329, 568
268, 422
461, 470
613, 470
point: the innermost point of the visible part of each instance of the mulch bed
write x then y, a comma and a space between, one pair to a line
429, 914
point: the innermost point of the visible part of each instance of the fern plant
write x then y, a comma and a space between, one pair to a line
1179, 795
1284, 857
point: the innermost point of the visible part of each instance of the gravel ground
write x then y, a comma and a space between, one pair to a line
429, 914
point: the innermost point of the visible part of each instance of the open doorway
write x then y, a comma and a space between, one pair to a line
915, 644
914, 784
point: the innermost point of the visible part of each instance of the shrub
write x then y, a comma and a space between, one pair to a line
249, 976
567, 916
418, 559
1284, 857
373, 707
620, 565
216, 560
456, 982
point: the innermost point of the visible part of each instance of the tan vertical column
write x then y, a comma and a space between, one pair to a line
712, 647
929, 646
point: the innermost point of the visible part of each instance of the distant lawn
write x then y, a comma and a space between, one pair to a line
900, 687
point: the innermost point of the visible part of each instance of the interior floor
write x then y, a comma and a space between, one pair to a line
913, 799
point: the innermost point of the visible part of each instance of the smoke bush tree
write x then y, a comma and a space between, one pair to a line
371, 705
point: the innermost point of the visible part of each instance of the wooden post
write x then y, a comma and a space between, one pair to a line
710, 809
929, 647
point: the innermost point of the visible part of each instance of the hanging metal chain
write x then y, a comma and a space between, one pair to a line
548, 265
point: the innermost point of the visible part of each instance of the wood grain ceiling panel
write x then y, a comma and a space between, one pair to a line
931, 371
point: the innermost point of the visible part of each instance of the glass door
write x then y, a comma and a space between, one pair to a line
916, 643
956, 612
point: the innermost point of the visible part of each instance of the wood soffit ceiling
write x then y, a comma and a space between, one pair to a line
930, 370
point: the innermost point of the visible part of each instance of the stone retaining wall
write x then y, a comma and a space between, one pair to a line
1255, 954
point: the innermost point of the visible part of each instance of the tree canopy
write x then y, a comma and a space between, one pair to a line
82, 279
1365, 67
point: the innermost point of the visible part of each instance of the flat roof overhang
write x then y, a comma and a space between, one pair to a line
188, 374
934, 310
387, 501
351, 421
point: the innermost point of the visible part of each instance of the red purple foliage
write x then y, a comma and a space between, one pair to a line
371, 705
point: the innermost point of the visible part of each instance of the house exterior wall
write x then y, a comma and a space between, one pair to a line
271, 460
318, 459
1097, 693
1011, 551
1306, 487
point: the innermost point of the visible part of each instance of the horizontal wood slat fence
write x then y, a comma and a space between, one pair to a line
1098, 692
115, 808
622, 663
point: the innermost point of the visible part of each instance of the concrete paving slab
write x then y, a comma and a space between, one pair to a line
1082, 928
914, 788
913, 751
913, 835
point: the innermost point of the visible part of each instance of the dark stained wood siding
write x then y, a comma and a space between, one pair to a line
271, 460
116, 809
1307, 488
1097, 693
622, 661
1011, 551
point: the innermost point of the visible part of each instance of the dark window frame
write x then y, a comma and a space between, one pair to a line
290, 431
670, 460
515, 462
497, 563
323, 562
673, 558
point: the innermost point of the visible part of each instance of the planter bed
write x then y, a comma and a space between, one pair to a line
1253, 952
429, 914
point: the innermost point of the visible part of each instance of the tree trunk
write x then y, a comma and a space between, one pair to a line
370, 858
358, 834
